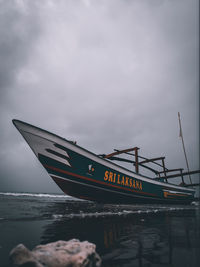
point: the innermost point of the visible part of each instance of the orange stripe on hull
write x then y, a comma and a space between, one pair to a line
172, 195
95, 181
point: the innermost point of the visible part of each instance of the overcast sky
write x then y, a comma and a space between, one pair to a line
106, 73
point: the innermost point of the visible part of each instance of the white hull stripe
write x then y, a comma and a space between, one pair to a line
42, 148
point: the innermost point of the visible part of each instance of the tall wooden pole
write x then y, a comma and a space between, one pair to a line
181, 135
136, 160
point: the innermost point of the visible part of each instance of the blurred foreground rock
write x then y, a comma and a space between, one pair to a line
72, 253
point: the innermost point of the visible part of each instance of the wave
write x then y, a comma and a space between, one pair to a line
33, 195
121, 213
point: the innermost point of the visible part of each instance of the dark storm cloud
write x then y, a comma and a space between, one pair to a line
109, 74
18, 30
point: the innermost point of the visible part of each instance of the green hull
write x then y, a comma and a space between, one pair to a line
84, 175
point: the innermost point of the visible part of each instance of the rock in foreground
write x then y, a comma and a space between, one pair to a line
72, 253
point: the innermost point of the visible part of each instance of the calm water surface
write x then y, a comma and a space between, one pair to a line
125, 235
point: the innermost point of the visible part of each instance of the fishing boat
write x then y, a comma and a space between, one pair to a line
85, 175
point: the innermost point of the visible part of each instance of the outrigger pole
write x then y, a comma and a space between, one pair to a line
181, 136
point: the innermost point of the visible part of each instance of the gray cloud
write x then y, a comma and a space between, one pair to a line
19, 27
109, 74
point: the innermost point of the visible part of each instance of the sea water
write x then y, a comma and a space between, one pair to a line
125, 235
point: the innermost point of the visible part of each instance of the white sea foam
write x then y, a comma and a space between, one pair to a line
33, 195
57, 216
195, 203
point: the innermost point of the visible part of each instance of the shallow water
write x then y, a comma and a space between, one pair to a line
125, 235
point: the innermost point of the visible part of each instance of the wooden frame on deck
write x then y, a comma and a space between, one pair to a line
125, 151
142, 163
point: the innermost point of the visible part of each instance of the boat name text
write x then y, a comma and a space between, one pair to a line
122, 180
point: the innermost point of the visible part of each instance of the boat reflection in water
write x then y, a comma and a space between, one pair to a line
126, 236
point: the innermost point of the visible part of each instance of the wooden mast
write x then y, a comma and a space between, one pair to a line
181, 136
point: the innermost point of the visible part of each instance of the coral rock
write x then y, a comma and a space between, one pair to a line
72, 253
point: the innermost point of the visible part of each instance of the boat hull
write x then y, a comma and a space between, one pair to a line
84, 175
